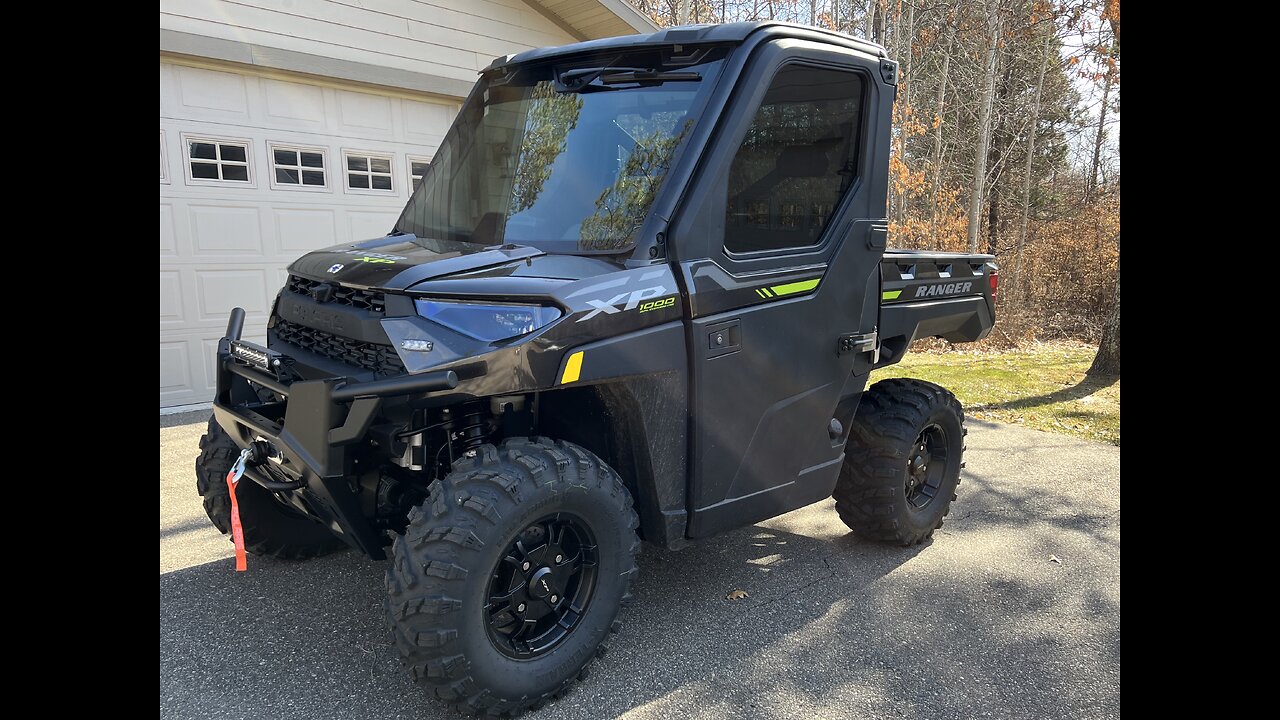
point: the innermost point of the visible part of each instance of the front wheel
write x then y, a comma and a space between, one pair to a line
270, 528
508, 579
903, 461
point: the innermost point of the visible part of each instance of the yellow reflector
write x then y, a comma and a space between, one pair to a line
572, 368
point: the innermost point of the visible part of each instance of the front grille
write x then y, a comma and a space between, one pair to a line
370, 300
381, 359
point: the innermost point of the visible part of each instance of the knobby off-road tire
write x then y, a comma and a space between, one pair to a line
270, 529
902, 464
461, 543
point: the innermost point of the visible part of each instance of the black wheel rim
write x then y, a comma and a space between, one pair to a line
926, 466
541, 588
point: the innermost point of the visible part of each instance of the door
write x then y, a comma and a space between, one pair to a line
792, 206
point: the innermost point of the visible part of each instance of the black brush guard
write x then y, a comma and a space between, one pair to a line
320, 419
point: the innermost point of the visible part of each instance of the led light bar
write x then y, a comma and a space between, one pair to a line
251, 356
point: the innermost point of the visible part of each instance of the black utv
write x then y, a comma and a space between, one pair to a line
637, 296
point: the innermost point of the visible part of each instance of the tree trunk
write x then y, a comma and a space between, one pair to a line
993, 221
1026, 173
1107, 361
908, 51
902, 44
937, 134
1092, 186
984, 125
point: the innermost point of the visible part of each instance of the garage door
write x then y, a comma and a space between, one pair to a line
255, 171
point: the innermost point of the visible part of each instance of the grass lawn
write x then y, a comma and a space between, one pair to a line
1041, 387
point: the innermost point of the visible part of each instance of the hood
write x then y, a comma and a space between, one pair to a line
405, 262
396, 262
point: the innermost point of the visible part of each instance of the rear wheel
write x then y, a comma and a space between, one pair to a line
508, 579
270, 528
903, 461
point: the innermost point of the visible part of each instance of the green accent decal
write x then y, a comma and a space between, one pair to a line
795, 287
890, 294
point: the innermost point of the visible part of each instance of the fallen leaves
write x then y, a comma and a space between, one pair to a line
737, 595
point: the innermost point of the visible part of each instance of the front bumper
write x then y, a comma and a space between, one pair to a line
310, 429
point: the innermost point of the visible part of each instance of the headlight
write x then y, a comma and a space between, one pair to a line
487, 322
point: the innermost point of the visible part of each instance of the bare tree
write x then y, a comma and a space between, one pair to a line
943, 77
1107, 361
984, 123
1100, 137
1046, 56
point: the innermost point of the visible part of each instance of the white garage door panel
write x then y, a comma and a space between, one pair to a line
221, 290
222, 230
362, 224
221, 92
300, 230
175, 377
228, 244
425, 122
294, 105
363, 112
171, 298
167, 247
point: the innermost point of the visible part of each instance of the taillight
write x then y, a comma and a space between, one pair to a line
993, 277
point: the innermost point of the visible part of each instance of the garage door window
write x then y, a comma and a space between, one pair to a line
417, 168
368, 172
296, 167
211, 160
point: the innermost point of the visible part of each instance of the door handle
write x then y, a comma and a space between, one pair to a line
878, 237
724, 338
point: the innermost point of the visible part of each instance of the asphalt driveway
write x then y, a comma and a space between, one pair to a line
979, 623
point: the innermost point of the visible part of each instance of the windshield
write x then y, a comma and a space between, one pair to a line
565, 158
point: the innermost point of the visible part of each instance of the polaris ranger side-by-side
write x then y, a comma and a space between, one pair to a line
637, 295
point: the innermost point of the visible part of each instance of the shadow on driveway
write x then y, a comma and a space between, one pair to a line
977, 622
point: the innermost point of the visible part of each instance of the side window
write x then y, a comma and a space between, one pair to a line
798, 159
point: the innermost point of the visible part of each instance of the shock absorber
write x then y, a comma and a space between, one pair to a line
472, 429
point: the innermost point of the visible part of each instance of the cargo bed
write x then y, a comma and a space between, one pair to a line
934, 294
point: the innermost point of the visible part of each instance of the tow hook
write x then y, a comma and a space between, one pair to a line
261, 451
258, 453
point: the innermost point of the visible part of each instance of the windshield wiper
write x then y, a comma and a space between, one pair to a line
583, 79
647, 76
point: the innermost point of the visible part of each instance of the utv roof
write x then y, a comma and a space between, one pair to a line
730, 33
